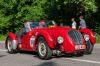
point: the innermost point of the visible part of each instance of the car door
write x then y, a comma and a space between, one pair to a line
28, 40
25, 41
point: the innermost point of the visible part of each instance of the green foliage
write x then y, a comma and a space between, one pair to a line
14, 12
2, 37
98, 40
87, 4
62, 10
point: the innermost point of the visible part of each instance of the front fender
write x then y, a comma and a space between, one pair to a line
49, 39
90, 33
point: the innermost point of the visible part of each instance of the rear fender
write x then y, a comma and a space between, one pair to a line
13, 38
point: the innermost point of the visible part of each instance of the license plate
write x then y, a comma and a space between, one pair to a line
79, 47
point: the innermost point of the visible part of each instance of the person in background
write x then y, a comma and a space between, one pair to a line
54, 23
74, 25
42, 23
23, 31
82, 23
27, 26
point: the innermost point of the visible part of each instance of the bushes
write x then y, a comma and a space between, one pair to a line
14, 12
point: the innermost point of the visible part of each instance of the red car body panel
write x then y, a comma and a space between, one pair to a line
12, 36
50, 35
90, 33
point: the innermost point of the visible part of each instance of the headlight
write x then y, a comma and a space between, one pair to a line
60, 40
86, 37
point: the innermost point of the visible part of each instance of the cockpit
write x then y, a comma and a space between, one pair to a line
39, 24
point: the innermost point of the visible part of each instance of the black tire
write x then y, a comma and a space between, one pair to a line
89, 47
10, 46
44, 51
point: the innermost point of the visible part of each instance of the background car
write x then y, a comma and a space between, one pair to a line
46, 38
90, 39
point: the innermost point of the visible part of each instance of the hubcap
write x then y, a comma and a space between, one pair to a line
42, 49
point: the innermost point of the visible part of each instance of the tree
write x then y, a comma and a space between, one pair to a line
14, 12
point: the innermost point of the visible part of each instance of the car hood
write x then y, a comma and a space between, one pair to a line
56, 31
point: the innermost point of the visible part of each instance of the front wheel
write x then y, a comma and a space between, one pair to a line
44, 51
89, 47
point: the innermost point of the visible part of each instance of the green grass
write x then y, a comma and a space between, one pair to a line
2, 37
98, 39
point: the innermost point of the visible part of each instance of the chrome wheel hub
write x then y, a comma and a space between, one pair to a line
42, 49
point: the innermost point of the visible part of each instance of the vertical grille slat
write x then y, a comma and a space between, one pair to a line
75, 36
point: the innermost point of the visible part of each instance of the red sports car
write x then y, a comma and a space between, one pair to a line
90, 39
47, 39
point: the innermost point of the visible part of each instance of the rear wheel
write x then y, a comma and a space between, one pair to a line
10, 46
44, 51
89, 47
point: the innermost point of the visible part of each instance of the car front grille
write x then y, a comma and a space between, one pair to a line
75, 36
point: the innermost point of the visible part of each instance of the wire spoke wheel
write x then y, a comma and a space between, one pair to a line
44, 51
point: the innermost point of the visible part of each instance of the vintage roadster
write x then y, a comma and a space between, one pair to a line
90, 39
46, 38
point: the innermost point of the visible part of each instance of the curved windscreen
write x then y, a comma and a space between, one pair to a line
42, 24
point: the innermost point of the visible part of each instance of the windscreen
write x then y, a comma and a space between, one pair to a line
42, 24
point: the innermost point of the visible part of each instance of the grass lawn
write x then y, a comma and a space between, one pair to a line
98, 39
2, 37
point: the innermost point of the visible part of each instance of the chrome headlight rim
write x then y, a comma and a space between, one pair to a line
60, 39
86, 37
